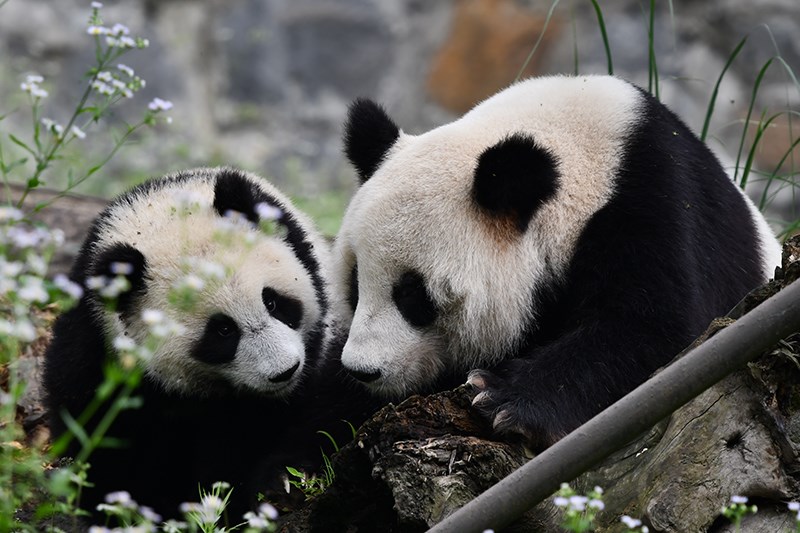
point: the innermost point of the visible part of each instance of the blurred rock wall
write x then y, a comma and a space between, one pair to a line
265, 84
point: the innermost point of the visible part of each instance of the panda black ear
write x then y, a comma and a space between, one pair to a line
234, 192
368, 135
122, 259
514, 178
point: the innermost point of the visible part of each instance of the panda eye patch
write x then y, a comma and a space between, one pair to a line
352, 295
219, 342
413, 300
284, 308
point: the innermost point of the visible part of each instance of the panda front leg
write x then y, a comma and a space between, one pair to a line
540, 396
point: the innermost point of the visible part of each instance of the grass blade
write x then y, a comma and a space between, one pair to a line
604, 34
754, 92
713, 101
538, 41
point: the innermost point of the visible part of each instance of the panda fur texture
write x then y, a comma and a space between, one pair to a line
236, 395
562, 240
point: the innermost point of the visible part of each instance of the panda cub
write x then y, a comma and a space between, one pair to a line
231, 392
561, 241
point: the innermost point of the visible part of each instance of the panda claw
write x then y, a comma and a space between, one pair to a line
481, 397
477, 380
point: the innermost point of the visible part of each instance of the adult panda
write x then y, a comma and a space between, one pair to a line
555, 245
238, 388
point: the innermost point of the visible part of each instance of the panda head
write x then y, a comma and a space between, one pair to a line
257, 302
453, 232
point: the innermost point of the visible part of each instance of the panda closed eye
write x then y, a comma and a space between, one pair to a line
284, 308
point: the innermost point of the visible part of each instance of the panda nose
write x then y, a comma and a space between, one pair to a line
365, 375
285, 376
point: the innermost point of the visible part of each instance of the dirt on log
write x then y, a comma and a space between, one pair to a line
414, 463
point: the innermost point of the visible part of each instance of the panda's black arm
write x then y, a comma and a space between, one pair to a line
73, 366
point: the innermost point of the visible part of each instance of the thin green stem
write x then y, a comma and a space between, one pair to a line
604, 34
753, 94
713, 101
538, 41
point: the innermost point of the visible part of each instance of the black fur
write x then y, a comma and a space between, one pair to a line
219, 341
123, 254
514, 177
368, 135
413, 301
173, 443
286, 309
674, 248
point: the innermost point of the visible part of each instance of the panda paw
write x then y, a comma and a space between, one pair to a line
513, 412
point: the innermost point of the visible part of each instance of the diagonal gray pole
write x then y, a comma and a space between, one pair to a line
728, 350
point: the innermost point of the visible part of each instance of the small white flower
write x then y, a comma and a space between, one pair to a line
97, 30
33, 290
112, 41
10, 269
142, 43
560, 501
10, 214
97, 5
174, 526
24, 238
102, 88
268, 212
267, 510
116, 287
121, 269
127, 42
189, 507
36, 264
211, 501
645, 529
597, 504
126, 69
99, 529
34, 78
124, 344
208, 269
96, 282
152, 317
122, 498
256, 521
793, 506
149, 515
105, 76
107, 508
159, 105
68, 286
24, 331
193, 282
578, 503
738, 499
598, 489
77, 132
120, 29
630, 522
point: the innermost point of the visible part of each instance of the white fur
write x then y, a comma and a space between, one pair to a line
168, 232
483, 282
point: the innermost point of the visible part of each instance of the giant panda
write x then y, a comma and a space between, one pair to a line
237, 391
553, 246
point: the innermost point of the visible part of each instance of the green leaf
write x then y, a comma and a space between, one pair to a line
296, 473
